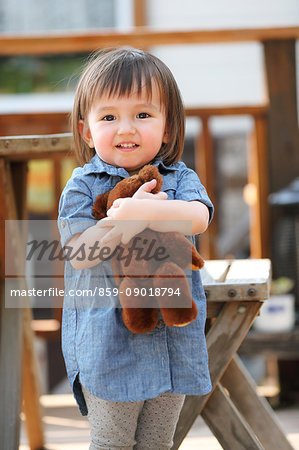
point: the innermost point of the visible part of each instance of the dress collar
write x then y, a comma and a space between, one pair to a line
97, 165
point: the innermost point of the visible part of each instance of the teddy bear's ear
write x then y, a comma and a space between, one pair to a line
100, 206
148, 173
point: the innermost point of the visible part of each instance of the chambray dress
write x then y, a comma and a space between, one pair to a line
113, 363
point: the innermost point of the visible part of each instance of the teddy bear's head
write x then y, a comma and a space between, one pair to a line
126, 188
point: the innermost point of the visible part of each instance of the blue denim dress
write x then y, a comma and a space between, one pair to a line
113, 363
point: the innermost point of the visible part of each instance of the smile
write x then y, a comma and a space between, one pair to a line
127, 146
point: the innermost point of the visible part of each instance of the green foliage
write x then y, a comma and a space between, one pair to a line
25, 74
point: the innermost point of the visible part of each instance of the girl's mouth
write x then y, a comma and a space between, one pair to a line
126, 147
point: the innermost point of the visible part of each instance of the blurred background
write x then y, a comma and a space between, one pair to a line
225, 88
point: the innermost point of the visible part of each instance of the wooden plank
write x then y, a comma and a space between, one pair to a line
34, 123
141, 37
247, 280
228, 110
256, 410
223, 340
249, 269
12, 147
227, 424
215, 271
233, 293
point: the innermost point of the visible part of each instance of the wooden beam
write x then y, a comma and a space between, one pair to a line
141, 37
227, 424
256, 410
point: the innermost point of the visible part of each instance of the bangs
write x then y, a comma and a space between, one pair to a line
131, 73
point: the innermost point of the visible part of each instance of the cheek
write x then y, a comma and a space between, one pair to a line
102, 136
155, 133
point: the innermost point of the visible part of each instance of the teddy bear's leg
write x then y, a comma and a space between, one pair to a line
136, 319
197, 261
170, 275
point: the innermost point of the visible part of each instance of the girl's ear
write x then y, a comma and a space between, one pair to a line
85, 133
166, 136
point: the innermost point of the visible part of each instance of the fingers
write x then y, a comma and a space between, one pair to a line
112, 234
160, 196
145, 192
145, 189
116, 203
148, 186
105, 223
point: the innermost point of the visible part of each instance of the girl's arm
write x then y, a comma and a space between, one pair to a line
89, 248
160, 215
90, 244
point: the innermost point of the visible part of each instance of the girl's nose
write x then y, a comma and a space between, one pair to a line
126, 126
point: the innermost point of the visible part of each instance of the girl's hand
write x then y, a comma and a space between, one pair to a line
122, 230
127, 214
145, 192
128, 217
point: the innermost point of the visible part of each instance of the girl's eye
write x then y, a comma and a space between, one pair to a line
109, 118
142, 115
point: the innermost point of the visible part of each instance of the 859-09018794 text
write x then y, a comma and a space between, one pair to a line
136, 292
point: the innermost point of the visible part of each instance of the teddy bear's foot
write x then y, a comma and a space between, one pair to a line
139, 313
140, 320
178, 309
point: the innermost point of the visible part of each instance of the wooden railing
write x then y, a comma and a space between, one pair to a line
141, 37
275, 123
257, 177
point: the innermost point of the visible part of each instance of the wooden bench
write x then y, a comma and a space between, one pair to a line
237, 416
17, 360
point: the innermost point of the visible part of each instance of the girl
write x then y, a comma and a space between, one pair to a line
127, 113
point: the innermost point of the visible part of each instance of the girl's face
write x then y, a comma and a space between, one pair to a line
126, 131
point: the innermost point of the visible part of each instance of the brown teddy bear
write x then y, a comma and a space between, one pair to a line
149, 270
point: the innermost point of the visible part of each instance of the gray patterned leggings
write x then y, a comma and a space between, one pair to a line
143, 425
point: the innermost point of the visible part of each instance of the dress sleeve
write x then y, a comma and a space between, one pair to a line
189, 188
75, 209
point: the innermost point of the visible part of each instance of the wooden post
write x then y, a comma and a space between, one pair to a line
11, 332
16, 334
259, 191
204, 166
139, 13
280, 70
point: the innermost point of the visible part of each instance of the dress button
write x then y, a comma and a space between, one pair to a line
160, 324
62, 223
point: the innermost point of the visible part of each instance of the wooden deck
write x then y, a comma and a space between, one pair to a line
66, 429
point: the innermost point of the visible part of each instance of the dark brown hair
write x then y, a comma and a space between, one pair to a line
115, 72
